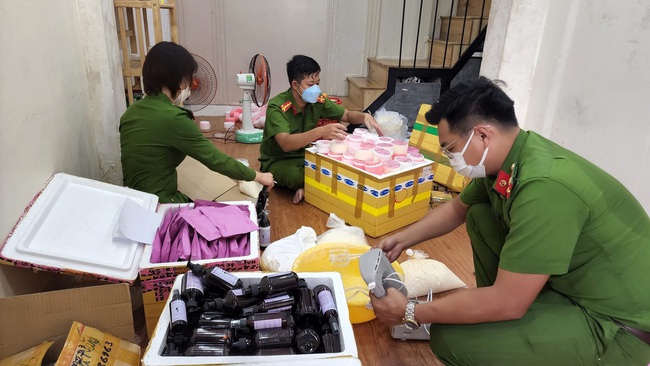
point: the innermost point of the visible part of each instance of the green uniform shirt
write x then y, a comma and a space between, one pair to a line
284, 115
156, 136
568, 218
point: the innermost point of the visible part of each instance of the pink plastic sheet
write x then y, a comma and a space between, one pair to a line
210, 230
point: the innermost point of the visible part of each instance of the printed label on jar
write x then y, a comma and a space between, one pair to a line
178, 312
229, 278
326, 301
267, 324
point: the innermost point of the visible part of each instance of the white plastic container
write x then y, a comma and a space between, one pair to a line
348, 355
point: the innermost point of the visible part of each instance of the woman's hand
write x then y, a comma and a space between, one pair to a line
265, 179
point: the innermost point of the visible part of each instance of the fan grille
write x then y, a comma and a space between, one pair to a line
260, 68
203, 86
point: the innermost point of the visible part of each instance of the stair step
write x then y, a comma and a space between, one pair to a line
474, 7
363, 91
386, 63
347, 104
455, 31
377, 72
452, 54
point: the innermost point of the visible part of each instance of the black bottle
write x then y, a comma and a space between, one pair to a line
327, 306
265, 229
307, 322
238, 298
216, 304
282, 302
178, 313
203, 349
307, 339
277, 282
216, 323
261, 202
215, 279
266, 338
265, 321
192, 293
329, 342
306, 307
211, 336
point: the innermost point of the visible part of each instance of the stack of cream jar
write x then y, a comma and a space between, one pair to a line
367, 151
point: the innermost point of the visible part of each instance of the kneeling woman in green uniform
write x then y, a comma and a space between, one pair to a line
292, 122
156, 134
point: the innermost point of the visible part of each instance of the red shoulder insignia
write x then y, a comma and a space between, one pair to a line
321, 98
502, 183
285, 106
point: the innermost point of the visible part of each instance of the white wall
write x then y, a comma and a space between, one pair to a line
229, 33
57, 107
578, 74
388, 44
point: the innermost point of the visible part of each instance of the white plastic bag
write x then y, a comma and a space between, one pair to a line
341, 233
420, 275
280, 255
392, 124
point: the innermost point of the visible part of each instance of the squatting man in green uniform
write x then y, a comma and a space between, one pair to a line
561, 248
156, 134
292, 123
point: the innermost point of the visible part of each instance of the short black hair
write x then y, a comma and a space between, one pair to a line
468, 103
167, 64
300, 66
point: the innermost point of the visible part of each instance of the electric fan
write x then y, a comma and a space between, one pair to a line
256, 85
203, 86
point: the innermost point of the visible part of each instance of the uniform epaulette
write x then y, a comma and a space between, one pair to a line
321, 98
285, 106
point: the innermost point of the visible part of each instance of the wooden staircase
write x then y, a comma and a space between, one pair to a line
456, 33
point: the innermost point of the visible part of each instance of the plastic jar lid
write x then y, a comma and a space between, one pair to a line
204, 125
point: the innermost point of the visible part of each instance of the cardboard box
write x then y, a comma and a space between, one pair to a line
157, 279
378, 204
29, 320
425, 137
347, 356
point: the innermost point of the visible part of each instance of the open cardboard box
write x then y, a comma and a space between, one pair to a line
347, 356
29, 320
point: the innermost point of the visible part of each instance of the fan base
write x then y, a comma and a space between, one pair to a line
249, 137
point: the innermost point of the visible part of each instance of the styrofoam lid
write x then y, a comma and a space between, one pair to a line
71, 226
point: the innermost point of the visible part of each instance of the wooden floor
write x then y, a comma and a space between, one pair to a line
375, 345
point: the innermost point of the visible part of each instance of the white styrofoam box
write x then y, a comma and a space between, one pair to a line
153, 357
146, 267
70, 228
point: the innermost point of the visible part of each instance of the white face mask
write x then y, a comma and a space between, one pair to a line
185, 93
457, 162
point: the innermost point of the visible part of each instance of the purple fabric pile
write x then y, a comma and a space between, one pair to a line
209, 230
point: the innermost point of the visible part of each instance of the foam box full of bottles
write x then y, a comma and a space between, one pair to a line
156, 279
153, 355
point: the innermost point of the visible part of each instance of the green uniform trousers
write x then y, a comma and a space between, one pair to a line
289, 173
554, 331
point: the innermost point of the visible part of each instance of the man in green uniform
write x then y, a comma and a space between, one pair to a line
292, 123
156, 134
561, 248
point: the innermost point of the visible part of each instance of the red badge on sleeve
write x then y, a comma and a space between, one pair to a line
285, 107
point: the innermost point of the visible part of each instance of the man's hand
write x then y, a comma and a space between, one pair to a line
265, 179
369, 121
333, 131
391, 246
391, 308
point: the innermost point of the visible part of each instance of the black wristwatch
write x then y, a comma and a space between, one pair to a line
409, 316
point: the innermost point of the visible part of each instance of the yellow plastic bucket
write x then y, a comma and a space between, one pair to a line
344, 259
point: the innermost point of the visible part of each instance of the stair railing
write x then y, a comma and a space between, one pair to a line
428, 74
